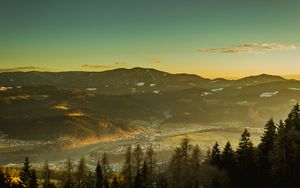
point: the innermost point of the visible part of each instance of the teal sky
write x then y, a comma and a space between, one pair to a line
211, 38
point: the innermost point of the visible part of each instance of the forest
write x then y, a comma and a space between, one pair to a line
275, 162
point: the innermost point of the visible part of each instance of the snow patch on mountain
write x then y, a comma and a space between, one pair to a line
294, 89
217, 89
269, 94
140, 84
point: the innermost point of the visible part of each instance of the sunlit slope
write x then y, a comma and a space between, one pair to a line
50, 108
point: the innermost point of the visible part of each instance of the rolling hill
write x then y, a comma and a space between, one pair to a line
47, 105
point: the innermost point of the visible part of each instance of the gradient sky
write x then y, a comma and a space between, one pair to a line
211, 38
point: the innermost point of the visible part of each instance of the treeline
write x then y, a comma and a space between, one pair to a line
275, 162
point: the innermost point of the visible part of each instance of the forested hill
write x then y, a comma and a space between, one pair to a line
274, 163
50, 105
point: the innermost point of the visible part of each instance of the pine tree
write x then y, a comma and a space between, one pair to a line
33, 179
279, 156
90, 181
215, 156
127, 168
185, 148
99, 177
25, 174
46, 176
81, 173
195, 162
292, 124
105, 166
175, 168
245, 156
145, 182
264, 151
67, 179
293, 120
229, 163
151, 163
138, 158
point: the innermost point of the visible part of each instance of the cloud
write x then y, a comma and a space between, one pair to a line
226, 50
118, 63
100, 66
255, 48
96, 66
156, 61
276, 46
17, 69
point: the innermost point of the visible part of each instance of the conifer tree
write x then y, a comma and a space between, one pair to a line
46, 176
90, 181
99, 177
292, 124
67, 178
264, 151
185, 148
175, 168
127, 168
25, 174
229, 163
151, 164
245, 156
215, 156
81, 173
138, 158
195, 163
105, 166
33, 179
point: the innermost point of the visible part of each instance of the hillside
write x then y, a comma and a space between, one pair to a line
88, 104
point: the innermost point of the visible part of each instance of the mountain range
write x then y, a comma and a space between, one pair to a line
51, 105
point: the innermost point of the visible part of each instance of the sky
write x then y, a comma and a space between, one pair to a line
211, 38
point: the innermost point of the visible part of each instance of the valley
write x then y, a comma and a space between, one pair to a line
53, 116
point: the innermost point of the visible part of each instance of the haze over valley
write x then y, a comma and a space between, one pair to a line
53, 115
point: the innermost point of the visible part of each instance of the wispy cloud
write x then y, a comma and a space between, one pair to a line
156, 61
24, 68
255, 48
120, 63
101, 66
96, 66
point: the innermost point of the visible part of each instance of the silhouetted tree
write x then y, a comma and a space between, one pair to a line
25, 173
67, 178
175, 168
90, 181
33, 179
195, 165
215, 156
127, 168
151, 164
138, 158
229, 163
264, 152
99, 177
46, 176
246, 164
81, 173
